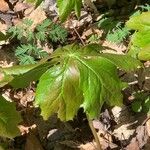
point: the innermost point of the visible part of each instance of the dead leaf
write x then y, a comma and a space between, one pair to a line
20, 7
114, 48
133, 145
148, 127
4, 6
88, 146
37, 16
140, 140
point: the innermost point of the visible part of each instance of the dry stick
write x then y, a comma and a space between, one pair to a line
79, 36
95, 134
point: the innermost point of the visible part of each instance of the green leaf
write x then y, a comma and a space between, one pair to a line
5, 79
124, 62
12, 75
23, 80
137, 106
146, 105
3, 36
81, 79
65, 7
78, 4
24, 74
18, 70
38, 2
140, 40
144, 54
9, 119
140, 22
60, 81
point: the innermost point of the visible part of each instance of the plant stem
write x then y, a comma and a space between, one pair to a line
94, 134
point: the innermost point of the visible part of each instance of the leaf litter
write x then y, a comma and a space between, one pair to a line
125, 131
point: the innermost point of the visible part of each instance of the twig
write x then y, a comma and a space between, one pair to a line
79, 36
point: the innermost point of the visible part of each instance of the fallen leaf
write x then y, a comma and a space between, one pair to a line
148, 127
139, 140
37, 16
20, 7
133, 145
4, 6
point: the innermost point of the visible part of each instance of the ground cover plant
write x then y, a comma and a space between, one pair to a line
46, 31
76, 75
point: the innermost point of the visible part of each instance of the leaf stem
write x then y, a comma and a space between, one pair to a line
94, 134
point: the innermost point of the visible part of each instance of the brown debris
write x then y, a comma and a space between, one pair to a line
4, 7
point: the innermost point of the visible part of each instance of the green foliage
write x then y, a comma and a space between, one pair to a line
141, 102
50, 30
9, 119
45, 32
66, 6
114, 32
25, 54
94, 39
118, 34
57, 34
145, 7
71, 78
83, 77
107, 24
3, 36
140, 41
22, 31
21, 76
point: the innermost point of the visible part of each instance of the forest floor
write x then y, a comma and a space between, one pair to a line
117, 127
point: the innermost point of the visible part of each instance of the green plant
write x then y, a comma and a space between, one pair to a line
72, 77
75, 77
114, 30
89, 76
52, 31
118, 34
141, 102
27, 54
94, 39
9, 119
45, 32
17, 77
140, 41
145, 7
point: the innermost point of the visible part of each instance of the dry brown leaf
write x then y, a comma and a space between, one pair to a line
148, 127
37, 16
20, 6
3, 6
88, 146
114, 48
133, 145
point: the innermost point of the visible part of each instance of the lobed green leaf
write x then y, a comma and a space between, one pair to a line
9, 119
81, 78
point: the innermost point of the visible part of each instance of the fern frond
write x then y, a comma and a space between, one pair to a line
117, 35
